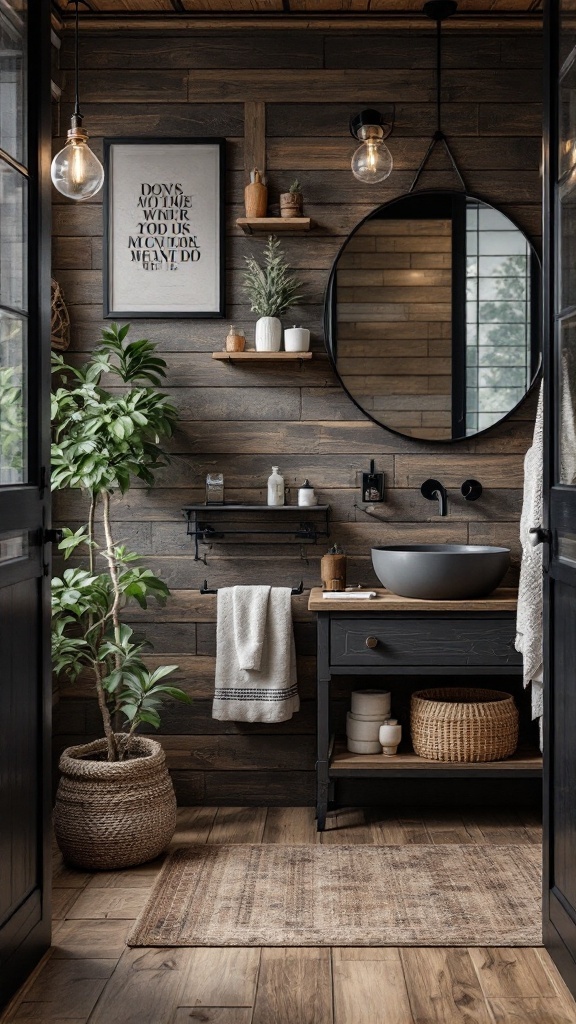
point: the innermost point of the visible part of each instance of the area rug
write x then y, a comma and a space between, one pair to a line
272, 895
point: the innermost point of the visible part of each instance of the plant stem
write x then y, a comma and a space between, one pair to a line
113, 570
91, 514
106, 719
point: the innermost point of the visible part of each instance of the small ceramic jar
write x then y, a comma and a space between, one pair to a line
371, 702
390, 735
306, 496
296, 339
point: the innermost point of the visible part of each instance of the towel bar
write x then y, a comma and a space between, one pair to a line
204, 589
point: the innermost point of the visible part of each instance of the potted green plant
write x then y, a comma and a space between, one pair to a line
291, 202
115, 805
272, 291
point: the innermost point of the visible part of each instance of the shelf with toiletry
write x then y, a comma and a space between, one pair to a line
525, 763
209, 523
262, 357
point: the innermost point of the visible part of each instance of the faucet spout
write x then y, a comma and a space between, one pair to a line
433, 490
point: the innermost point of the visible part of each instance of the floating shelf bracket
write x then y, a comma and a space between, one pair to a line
204, 531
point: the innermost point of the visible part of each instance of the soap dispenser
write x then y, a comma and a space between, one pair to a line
275, 487
306, 496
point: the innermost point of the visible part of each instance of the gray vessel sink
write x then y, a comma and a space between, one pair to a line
440, 572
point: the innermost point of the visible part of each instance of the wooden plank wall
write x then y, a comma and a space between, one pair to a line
302, 87
394, 310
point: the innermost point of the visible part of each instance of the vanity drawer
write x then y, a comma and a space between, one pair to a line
421, 642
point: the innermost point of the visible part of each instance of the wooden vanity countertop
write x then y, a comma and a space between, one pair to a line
502, 600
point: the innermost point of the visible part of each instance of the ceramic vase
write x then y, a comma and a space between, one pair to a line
268, 334
291, 204
256, 196
390, 736
296, 339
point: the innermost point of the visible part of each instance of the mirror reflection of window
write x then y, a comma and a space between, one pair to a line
498, 316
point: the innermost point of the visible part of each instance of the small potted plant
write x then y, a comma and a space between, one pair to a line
291, 202
115, 805
272, 291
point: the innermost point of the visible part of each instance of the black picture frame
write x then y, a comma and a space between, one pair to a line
111, 310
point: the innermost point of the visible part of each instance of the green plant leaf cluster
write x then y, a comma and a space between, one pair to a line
271, 289
295, 187
101, 440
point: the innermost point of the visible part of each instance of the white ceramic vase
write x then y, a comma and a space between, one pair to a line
296, 339
268, 336
390, 736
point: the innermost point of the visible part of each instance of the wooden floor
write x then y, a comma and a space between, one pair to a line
90, 977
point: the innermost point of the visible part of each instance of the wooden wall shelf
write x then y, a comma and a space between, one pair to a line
262, 357
295, 225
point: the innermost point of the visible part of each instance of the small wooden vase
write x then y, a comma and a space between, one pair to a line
256, 196
291, 204
333, 572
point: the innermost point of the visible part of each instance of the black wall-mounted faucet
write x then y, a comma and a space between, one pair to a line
435, 491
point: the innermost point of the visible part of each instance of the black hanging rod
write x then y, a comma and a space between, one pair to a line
204, 589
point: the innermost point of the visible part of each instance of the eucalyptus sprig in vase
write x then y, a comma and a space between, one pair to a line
272, 290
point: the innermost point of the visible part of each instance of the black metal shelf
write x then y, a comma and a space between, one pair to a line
203, 531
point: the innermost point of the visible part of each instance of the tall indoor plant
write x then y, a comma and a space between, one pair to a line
103, 438
272, 290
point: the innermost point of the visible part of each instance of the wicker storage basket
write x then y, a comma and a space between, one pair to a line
457, 724
114, 814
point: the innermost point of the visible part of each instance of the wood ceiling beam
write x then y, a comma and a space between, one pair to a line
210, 21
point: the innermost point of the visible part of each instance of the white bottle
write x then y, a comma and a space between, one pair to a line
306, 494
275, 487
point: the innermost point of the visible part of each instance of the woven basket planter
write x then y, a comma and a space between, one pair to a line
457, 724
114, 814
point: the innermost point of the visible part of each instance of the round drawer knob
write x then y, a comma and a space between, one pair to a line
371, 642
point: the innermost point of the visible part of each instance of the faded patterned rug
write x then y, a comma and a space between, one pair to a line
269, 895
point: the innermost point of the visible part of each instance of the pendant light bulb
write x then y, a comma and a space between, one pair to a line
76, 171
372, 162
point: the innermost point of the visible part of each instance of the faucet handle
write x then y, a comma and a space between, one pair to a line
471, 489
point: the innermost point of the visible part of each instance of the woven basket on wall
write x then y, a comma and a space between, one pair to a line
456, 724
114, 814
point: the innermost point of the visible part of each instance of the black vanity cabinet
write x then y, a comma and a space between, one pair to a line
394, 636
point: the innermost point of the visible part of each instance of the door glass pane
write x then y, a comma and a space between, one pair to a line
13, 254
567, 403
13, 453
13, 546
13, 79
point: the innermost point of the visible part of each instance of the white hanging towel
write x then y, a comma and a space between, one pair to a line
255, 656
529, 612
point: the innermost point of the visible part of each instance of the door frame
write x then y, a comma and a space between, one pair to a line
29, 942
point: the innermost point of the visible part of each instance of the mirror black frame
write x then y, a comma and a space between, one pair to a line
458, 415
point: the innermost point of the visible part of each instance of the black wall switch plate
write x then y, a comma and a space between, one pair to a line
372, 485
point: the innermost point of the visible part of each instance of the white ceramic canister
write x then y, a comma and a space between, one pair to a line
306, 495
366, 718
371, 702
368, 731
268, 337
364, 747
390, 735
296, 339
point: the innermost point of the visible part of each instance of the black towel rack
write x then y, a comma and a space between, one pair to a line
204, 589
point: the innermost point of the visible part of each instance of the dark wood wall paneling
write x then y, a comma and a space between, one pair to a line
303, 86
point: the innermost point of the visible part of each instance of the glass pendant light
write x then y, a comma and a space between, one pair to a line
76, 172
372, 162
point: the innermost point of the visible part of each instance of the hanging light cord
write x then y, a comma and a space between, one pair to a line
76, 61
438, 134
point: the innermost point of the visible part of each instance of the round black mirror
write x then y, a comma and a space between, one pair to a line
432, 317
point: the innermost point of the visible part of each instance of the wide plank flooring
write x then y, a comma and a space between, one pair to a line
91, 977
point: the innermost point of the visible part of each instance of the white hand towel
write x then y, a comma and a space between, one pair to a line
529, 613
250, 610
267, 694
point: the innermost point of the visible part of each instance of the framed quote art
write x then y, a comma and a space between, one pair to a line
164, 228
